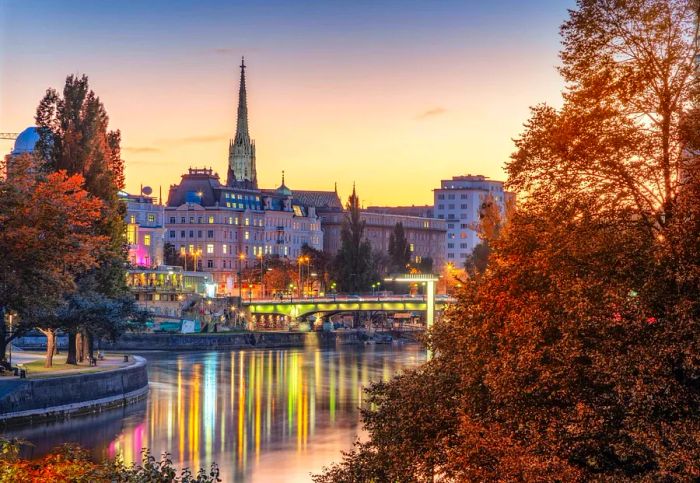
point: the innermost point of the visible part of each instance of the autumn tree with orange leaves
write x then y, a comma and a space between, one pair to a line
575, 355
47, 237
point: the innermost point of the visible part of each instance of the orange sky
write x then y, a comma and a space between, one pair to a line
393, 105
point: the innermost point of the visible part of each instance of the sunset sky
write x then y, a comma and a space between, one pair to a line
392, 95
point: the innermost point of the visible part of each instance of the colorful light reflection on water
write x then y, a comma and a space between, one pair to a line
267, 415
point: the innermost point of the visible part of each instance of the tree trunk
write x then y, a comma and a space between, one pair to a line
3, 335
79, 347
71, 358
50, 345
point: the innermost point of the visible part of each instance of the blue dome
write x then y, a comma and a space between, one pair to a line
26, 141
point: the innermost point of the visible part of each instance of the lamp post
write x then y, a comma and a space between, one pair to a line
241, 257
262, 289
333, 290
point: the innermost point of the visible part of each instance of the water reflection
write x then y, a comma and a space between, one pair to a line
269, 415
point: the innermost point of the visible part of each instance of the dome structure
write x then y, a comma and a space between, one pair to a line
282, 190
26, 141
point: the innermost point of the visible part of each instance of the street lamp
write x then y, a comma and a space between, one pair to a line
333, 290
262, 286
241, 257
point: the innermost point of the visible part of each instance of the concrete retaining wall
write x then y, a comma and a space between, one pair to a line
224, 341
23, 400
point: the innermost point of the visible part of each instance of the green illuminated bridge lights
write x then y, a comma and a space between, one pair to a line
298, 308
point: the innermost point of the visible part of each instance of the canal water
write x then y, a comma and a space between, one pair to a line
261, 415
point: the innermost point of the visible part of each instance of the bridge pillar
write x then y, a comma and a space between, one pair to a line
430, 281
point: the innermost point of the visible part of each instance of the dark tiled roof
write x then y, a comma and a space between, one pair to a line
323, 200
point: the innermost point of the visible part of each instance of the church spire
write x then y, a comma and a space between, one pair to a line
242, 124
241, 151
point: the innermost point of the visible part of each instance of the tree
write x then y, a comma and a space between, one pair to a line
174, 258
47, 237
74, 136
576, 350
399, 249
489, 228
353, 263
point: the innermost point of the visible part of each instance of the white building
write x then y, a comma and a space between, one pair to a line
145, 231
459, 201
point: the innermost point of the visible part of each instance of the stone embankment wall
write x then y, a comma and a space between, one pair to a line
228, 341
24, 400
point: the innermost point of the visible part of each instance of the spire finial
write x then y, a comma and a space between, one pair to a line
335, 187
242, 66
282, 177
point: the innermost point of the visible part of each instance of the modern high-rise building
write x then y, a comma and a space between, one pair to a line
241, 149
459, 202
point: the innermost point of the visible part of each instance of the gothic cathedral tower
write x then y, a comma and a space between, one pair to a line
241, 150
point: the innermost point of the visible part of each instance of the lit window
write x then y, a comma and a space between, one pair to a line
247, 221
211, 219
225, 249
210, 248
147, 240
247, 235
411, 246
131, 234
151, 218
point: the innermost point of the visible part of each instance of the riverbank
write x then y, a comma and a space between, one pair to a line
218, 341
57, 396
234, 340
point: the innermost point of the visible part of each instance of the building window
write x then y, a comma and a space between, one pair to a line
199, 219
182, 220
450, 255
247, 235
172, 219
247, 221
147, 240
463, 206
210, 248
463, 245
464, 226
151, 218
172, 233
463, 196
191, 233
210, 233
441, 207
192, 219
199, 233
411, 247
131, 234
210, 263
450, 245
224, 248
211, 219
182, 234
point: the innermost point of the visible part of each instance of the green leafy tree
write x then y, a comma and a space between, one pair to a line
399, 249
353, 263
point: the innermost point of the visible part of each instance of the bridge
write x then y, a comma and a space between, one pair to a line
300, 308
